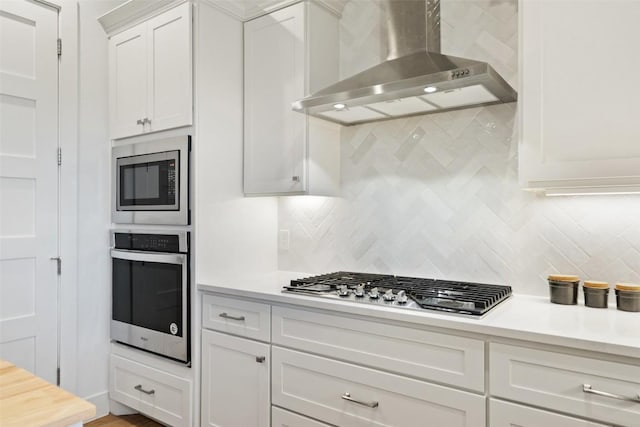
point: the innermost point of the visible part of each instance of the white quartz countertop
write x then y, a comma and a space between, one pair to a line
520, 317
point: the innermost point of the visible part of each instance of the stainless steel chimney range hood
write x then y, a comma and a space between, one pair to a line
415, 79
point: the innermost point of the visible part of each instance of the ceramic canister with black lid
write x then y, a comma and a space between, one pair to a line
564, 288
596, 294
628, 297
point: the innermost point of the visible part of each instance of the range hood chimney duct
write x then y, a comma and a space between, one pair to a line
415, 78
405, 27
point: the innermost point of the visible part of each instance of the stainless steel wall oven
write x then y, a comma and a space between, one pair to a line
151, 182
150, 291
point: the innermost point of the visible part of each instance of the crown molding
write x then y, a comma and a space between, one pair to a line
246, 10
133, 12
334, 6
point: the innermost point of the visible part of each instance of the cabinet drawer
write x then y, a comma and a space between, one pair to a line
158, 394
236, 316
426, 355
349, 395
505, 414
282, 418
555, 381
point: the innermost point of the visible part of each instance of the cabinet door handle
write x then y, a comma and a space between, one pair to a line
295, 178
140, 122
347, 396
260, 359
139, 388
587, 388
146, 120
227, 316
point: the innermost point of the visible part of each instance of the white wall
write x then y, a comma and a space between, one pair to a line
235, 235
438, 195
94, 289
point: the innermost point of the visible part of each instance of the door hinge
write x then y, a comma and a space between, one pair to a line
58, 376
59, 47
59, 156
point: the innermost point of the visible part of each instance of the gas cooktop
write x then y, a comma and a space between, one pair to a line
404, 292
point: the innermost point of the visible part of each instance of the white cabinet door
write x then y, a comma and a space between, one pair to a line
235, 381
275, 136
128, 81
579, 95
505, 414
288, 54
150, 75
169, 58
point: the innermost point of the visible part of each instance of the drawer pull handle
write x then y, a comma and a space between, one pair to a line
260, 359
347, 396
226, 316
139, 388
587, 388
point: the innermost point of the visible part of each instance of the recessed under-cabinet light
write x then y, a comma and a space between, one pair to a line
554, 193
430, 89
339, 106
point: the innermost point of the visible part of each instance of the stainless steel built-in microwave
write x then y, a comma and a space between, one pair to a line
151, 182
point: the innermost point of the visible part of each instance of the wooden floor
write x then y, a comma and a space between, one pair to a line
123, 421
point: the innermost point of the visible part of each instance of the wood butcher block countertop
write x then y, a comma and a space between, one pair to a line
26, 400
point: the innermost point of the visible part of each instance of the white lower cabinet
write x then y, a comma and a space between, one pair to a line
236, 316
283, 418
505, 414
437, 357
317, 368
155, 393
350, 395
586, 387
235, 381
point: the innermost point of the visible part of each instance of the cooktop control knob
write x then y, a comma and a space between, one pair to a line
401, 297
374, 294
343, 290
389, 296
359, 290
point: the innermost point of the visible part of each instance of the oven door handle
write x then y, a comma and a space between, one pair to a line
150, 257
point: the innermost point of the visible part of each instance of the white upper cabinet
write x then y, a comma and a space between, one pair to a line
579, 96
150, 75
288, 54
128, 76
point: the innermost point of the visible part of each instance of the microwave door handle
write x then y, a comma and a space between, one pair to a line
150, 257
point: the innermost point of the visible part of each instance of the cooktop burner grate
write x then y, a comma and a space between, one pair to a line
444, 295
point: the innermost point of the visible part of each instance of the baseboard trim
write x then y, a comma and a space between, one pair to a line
117, 408
101, 400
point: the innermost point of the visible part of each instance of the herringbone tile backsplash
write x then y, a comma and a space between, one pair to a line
438, 195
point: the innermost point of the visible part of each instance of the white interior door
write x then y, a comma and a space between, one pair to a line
29, 186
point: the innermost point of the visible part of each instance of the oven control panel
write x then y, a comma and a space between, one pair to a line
147, 242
